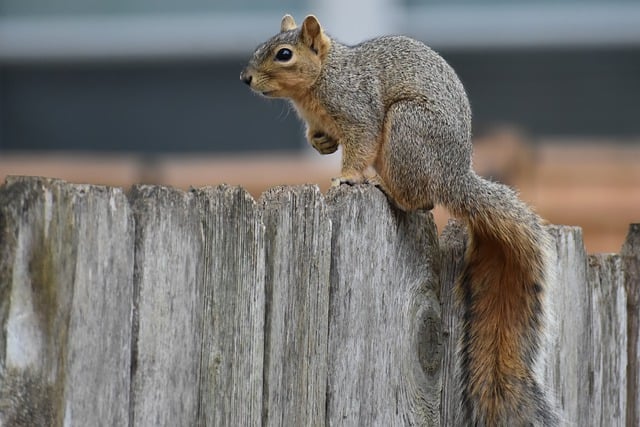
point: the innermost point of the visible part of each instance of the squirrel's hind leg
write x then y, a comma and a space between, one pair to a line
403, 160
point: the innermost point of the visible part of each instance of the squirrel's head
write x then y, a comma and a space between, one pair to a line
289, 63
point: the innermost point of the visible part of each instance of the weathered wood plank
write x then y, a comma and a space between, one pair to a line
608, 364
452, 249
385, 341
234, 303
99, 355
630, 256
298, 247
168, 307
66, 266
569, 301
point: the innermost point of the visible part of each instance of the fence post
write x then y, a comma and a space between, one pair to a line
607, 361
168, 306
452, 248
233, 275
298, 249
66, 268
631, 269
385, 341
569, 301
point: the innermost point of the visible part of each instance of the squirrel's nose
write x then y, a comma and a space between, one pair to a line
246, 77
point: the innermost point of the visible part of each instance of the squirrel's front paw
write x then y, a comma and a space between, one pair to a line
323, 143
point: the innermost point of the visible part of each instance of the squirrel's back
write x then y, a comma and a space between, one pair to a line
408, 69
392, 69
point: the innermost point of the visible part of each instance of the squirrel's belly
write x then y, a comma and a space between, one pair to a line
316, 117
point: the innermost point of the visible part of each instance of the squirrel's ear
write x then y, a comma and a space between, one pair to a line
313, 36
287, 23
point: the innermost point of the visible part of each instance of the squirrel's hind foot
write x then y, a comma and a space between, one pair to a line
337, 182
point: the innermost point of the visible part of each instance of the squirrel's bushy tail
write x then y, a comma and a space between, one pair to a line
501, 290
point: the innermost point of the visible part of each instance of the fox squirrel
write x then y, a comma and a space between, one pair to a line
395, 106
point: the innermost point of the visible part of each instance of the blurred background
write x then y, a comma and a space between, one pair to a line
120, 92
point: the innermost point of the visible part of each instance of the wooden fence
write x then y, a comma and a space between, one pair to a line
170, 308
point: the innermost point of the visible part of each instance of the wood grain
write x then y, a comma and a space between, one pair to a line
298, 249
66, 289
569, 302
233, 275
168, 307
608, 365
452, 249
385, 341
630, 255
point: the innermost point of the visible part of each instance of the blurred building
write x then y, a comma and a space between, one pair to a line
162, 75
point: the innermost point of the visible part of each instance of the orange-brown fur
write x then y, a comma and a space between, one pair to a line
501, 287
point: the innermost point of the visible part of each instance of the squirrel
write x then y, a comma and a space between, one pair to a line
398, 109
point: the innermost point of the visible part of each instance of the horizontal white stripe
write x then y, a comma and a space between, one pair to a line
210, 35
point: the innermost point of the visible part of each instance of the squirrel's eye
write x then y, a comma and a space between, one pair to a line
284, 55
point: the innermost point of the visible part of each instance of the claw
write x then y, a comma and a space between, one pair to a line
328, 150
323, 143
336, 182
